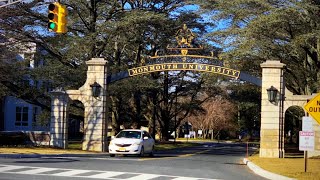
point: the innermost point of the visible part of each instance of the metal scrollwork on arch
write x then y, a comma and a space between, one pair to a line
180, 59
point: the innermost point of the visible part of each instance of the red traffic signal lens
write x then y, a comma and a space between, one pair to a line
51, 7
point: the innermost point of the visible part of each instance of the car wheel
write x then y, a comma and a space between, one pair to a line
112, 155
151, 154
141, 152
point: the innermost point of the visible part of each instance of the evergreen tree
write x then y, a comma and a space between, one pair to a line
256, 30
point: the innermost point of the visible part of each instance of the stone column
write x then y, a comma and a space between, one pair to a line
270, 144
95, 115
59, 119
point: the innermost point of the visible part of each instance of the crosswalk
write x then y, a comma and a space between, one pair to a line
89, 174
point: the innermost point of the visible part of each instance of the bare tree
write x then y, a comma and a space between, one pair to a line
219, 115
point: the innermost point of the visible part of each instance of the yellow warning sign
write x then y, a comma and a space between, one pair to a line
313, 107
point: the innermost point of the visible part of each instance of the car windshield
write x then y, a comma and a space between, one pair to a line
129, 134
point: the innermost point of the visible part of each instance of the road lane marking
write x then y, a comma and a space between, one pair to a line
78, 173
105, 175
185, 178
115, 159
8, 168
71, 172
36, 171
144, 177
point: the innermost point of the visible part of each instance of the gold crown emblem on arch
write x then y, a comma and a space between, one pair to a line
184, 42
184, 37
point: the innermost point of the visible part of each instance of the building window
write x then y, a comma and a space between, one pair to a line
21, 116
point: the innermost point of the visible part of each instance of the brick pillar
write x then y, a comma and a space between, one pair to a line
270, 144
59, 119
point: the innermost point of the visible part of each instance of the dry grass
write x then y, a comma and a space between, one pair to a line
172, 145
290, 167
38, 150
75, 148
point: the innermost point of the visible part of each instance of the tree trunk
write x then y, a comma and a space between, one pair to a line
165, 112
114, 118
152, 123
137, 120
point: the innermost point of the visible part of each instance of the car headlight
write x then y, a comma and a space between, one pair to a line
137, 143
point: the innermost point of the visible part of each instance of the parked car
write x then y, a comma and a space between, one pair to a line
132, 141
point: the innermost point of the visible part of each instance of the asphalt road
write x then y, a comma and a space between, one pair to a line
206, 161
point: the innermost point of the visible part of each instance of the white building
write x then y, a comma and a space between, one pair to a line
20, 115
17, 114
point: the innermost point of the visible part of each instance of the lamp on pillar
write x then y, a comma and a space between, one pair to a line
96, 89
272, 94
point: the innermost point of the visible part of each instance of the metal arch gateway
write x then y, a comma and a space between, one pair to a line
185, 43
232, 73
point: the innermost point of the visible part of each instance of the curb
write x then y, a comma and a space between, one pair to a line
266, 174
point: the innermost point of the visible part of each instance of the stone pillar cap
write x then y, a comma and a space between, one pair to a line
272, 64
96, 61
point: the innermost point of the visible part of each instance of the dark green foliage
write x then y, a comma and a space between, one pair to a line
259, 30
248, 99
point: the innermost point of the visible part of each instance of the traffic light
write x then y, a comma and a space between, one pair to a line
53, 17
57, 18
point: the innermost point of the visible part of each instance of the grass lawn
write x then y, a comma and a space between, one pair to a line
290, 167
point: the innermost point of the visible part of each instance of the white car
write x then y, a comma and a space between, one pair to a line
132, 141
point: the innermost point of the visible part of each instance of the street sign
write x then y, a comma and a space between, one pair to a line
313, 107
307, 123
306, 140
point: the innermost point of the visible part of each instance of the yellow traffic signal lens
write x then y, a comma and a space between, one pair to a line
51, 16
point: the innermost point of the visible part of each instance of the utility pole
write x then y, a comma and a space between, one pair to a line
4, 3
